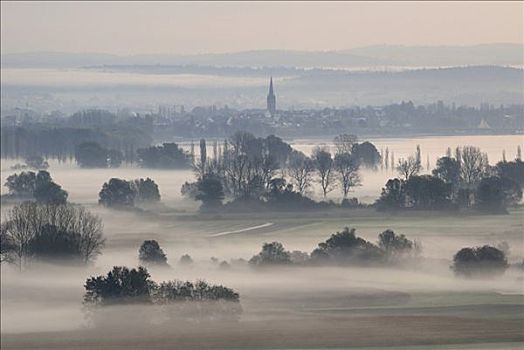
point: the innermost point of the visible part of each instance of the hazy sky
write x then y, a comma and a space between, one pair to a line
183, 27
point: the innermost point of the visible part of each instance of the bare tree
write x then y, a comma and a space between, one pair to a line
408, 167
344, 143
301, 170
346, 168
324, 166
24, 222
473, 165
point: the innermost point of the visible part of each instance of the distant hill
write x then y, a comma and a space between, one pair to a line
365, 57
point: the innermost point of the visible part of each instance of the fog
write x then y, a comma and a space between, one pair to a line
313, 306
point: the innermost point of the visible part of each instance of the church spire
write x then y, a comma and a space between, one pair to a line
271, 99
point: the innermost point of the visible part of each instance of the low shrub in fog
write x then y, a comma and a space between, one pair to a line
150, 253
122, 193
478, 261
52, 233
185, 260
272, 254
39, 186
172, 299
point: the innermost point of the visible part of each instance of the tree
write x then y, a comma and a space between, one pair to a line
396, 246
346, 248
91, 155
393, 195
210, 192
473, 165
120, 286
39, 186
53, 232
7, 246
166, 156
484, 260
346, 167
511, 170
48, 192
427, 192
448, 170
323, 163
114, 158
21, 185
117, 193
151, 253
344, 143
494, 194
408, 167
272, 254
301, 169
146, 191
37, 162
367, 154
53, 243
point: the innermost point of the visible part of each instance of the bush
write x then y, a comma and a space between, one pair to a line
272, 254
151, 253
186, 260
484, 260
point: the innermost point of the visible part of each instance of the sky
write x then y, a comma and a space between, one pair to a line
187, 27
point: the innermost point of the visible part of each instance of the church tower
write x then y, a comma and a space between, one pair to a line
271, 99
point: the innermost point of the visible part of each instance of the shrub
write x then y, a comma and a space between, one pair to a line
186, 259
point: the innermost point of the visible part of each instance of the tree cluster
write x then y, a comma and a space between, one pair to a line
51, 233
122, 193
251, 169
485, 260
93, 155
462, 181
178, 299
166, 156
342, 248
39, 187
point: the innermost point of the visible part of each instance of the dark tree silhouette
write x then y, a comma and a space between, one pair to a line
151, 253
272, 254
211, 192
494, 194
484, 260
117, 193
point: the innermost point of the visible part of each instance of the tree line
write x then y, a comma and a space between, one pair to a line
249, 168
463, 180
